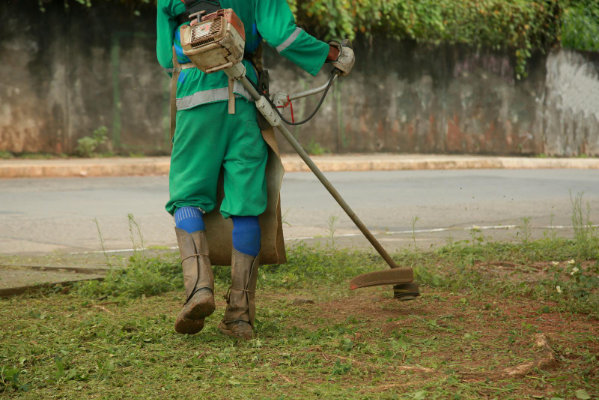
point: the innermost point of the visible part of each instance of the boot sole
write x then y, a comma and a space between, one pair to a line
200, 310
199, 307
188, 326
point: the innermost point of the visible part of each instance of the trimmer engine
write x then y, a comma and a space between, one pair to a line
215, 41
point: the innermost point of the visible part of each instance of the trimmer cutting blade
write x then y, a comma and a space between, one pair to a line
402, 278
393, 276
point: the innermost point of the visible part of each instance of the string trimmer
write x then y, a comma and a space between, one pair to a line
215, 42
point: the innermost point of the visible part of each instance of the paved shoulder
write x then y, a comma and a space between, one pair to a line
78, 167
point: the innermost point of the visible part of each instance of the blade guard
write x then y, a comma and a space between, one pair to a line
391, 276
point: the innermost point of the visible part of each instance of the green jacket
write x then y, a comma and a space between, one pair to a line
270, 20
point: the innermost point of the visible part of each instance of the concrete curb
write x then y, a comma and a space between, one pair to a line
84, 167
391, 162
22, 279
292, 163
13, 291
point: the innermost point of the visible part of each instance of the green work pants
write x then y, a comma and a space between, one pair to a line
207, 141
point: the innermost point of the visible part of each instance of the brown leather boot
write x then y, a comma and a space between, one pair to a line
238, 321
198, 280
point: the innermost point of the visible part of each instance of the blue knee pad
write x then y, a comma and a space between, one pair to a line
246, 235
189, 219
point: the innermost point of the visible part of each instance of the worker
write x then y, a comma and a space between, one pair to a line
207, 139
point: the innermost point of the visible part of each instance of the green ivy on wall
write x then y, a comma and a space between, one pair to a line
580, 25
518, 26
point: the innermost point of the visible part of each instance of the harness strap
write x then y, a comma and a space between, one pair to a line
195, 6
182, 18
173, 101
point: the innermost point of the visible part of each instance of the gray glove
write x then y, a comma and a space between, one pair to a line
345, 61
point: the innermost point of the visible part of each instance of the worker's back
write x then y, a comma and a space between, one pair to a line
270, 20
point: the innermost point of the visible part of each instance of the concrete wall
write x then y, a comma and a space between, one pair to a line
65, 73
447, 99
570, 107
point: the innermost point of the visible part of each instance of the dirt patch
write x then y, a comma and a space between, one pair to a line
490, 339
533, 271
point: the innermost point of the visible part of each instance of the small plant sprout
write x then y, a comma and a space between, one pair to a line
135, 230
525, 230
585, 233
332, 228
414, 220
476, 235
102, 241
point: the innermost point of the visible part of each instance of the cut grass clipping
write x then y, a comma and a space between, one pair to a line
496, 320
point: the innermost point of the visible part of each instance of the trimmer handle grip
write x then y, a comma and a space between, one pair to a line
345, 61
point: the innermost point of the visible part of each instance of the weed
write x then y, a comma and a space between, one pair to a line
585, 234
524, 230
314, 148
284, 218
476, 236
341, 368
142, 277
135, 232
552, 231
414, 220
39, 156
6, 155
102, 241
88, 146
9, 379
331, 229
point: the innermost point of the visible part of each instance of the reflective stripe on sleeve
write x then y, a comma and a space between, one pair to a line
289, 40
210, 96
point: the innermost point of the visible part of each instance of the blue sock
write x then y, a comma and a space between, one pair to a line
246, 235
189, 219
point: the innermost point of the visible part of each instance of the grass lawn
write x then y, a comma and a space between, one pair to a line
495, 320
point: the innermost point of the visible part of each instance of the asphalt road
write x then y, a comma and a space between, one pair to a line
403, 208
